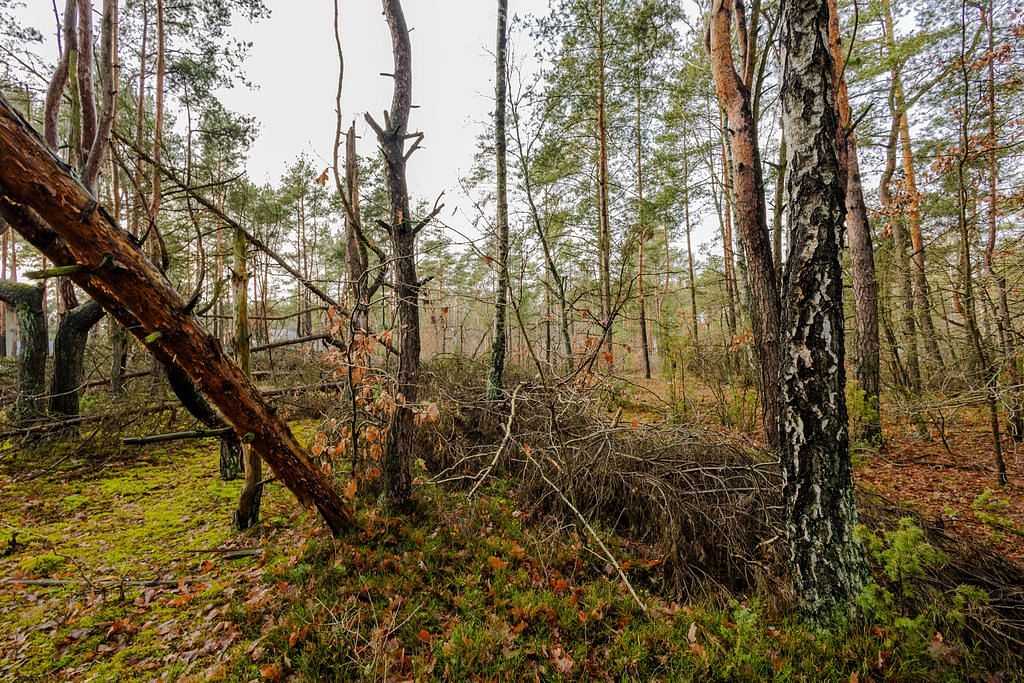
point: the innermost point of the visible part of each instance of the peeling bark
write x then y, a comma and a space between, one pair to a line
826, 561
499, 347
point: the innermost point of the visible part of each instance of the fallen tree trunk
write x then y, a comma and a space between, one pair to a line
115, 273
176, 436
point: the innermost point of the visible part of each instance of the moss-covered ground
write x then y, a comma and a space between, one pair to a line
463, 590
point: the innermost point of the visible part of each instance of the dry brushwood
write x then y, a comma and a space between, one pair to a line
707, 502
704, 502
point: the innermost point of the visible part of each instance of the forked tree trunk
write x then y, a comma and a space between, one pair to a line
862, 257
499, 346
749, 202
27, 302
115, 272
69, 357
826, 562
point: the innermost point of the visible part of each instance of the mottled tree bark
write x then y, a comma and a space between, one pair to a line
500, 342
826, 562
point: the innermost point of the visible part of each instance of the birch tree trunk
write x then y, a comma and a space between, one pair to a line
604, 237
826, 562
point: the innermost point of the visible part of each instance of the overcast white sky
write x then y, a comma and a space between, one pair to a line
294, 64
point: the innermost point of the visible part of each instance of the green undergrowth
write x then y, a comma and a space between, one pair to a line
463, 590
471, 590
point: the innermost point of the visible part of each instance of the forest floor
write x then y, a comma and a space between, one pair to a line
466, 590
958, 486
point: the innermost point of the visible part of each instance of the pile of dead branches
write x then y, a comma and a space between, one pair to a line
705, 502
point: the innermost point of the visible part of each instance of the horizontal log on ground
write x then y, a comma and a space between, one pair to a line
177, 436
324, 337
124, 378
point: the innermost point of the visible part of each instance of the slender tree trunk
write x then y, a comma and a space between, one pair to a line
988, 373
3, 278
826, 562
1004, 321
722, 206
920, 281
642, 234
689, 250
748, 191
603, 209
896, 228
778, 209
358, 260
862, 259
500, 344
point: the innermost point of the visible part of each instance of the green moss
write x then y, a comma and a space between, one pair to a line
74, 502
41, 565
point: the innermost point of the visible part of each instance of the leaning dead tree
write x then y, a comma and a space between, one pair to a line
392, 136
104, 261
